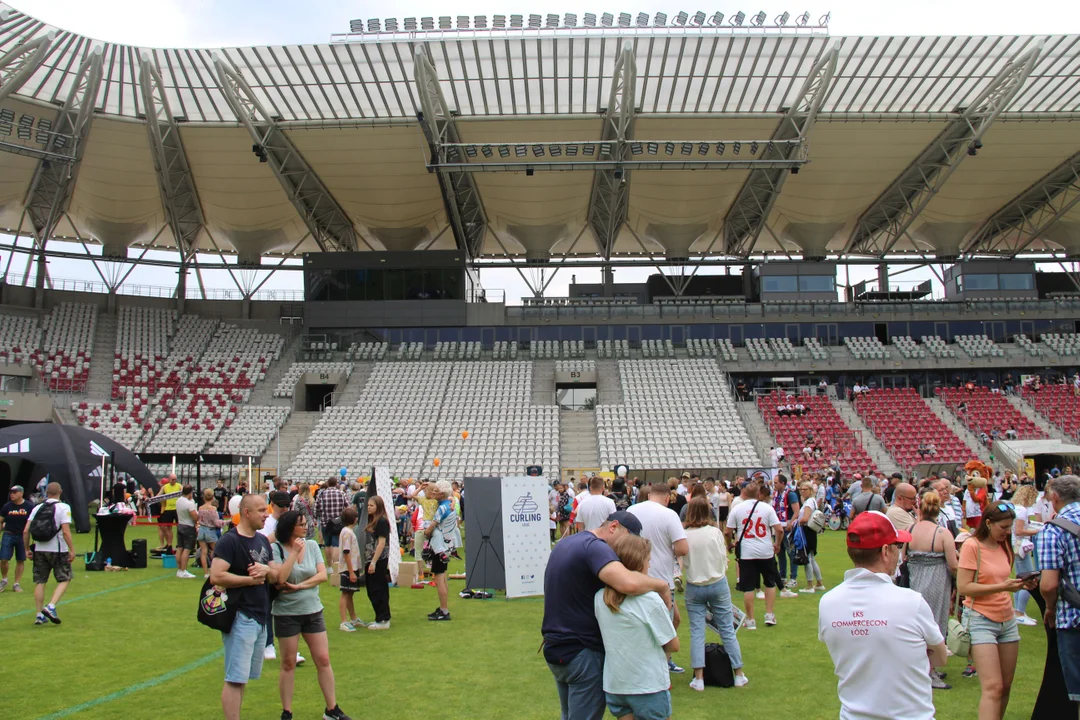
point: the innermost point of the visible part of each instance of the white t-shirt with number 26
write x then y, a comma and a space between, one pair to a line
757, 541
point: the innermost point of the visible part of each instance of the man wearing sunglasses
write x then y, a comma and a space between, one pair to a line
874, 629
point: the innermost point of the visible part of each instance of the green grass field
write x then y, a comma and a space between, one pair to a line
130, 647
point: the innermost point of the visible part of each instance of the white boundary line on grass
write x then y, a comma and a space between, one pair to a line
98, 593
130, 689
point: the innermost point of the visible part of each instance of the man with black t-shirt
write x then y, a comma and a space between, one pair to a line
13, 518
241, 565
221, 494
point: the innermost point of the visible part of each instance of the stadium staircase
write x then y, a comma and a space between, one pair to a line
882, 459
578, 441
355, 384
99, 382
294, 433
263, 394
608, 385
543, 382
759, 434
1036, 417
954, 424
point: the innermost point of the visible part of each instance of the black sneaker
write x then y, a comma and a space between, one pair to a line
286, 715
439, 615
50, 612
969, 671
335, 714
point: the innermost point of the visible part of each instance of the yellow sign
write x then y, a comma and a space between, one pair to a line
1027, 465
797, 471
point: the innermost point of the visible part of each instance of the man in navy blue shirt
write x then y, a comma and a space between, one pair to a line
579, 566
13, 517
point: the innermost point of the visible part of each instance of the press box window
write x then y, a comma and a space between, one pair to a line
980, 282
817, 283
780, 283
1017, 282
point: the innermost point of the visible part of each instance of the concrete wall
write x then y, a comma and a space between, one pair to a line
25, 407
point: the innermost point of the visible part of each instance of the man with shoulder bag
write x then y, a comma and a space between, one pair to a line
53, 552
1058, 552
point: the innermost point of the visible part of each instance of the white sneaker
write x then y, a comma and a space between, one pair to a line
770, 618
760, 595
697, 684
808, 591
300, 659
1025, 620
788, 594
185, 574
791, 583
749, 625
179, 573
379, 625
741, 680
358, 623
346, 627
269, 653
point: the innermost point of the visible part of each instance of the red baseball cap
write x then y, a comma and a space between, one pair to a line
872, 530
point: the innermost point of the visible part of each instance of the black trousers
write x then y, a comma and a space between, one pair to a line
378, 590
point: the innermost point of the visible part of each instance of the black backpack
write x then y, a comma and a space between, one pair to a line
43, 528
718, 672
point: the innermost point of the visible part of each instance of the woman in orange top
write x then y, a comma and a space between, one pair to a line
983, 579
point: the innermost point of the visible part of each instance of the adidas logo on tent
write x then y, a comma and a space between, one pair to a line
18, 447
98, 450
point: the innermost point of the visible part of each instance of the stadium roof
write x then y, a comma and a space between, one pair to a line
677, 142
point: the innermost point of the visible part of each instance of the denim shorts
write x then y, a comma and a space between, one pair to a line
12, 546
244, 646
1069, 654
209, 534
650, 706
988, 632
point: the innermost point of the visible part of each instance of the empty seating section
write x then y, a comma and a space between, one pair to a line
771, 349
456, 351
409, 351
67, 346
711, 348
612, 349
1025, 344
986, 411
503, 350
816, 349
288, 381
1063, 343
675, 414
142, 347
367, 351
19, 336
908, 347
979, 346
391, 424
657, 348
251, 431
1057, 403
545, 349
507, 433
901, 421
575, 366
836, 438
866, 348
937, 347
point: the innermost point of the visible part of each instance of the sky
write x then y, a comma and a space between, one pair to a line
206, 23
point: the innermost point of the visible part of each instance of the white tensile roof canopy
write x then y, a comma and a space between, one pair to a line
677, 141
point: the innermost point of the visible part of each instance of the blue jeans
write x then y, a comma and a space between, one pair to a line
715, 598
1069, 654
1023, 565
782, 559
787, 552
581, 686
244, 650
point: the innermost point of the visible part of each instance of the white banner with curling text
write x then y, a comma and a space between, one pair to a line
526, 542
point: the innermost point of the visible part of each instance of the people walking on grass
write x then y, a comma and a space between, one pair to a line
304, 504
639, 638
579, 566
986, 560
757, 534
932, 563
349, 569
707, 591
52, 552
297, 611
377, 560
594, 507
328, 506
442, 534
187, 520
13, 517
814, 581
279, 504
882, 638
210, 523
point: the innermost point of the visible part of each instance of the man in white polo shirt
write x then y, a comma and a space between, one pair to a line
877, 632
661, 527
594, 508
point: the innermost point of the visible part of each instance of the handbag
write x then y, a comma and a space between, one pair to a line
215, 611
746, 524
801, 556
817, 522
959, 638
718, 672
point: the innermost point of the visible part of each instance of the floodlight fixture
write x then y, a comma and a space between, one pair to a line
974, 147
607, 19
26, 128
737, 19
660, 20
552, 21
687, 148
759, 19
410, 24
570, 20
535, 21
635, 148
538, 150
470, 151
720, 148
823, 21
753, 148
803, 19
653, 148
590, 19
669, 148
373, 25
486, 150
624, 19
699, 19
463, 22
44, 128
356, 26
504, 151
391, 24
572, 150
781, 20
446, 22
717, 19
516, 21
643, 20
427, 23
555, 150
736, 146
605, 149
703, 149
498, 21
480, 22
681, 18
588, 149
521, 150
617, 173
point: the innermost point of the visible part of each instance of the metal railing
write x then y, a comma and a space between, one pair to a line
157, 291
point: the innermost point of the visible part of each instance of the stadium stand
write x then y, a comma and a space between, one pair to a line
67, 347
19, 337
1025, 344
759, 349
979, 346
657, 349
251, 431
816, 349
546, 349
1063, 343
908, 347
866, 348
675, 414
409, 351
612, 349
503, 350
937, 347
1059, 404
989, 412
837, 439
575, 366
456, 351
287, 383
901, 420
367, 351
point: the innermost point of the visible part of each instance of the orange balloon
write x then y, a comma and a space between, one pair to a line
236, 519
438, 462
464, 434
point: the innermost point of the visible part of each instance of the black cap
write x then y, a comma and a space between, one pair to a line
627, 520
280, 498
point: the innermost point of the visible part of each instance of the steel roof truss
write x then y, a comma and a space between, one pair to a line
19, 63
610, 198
